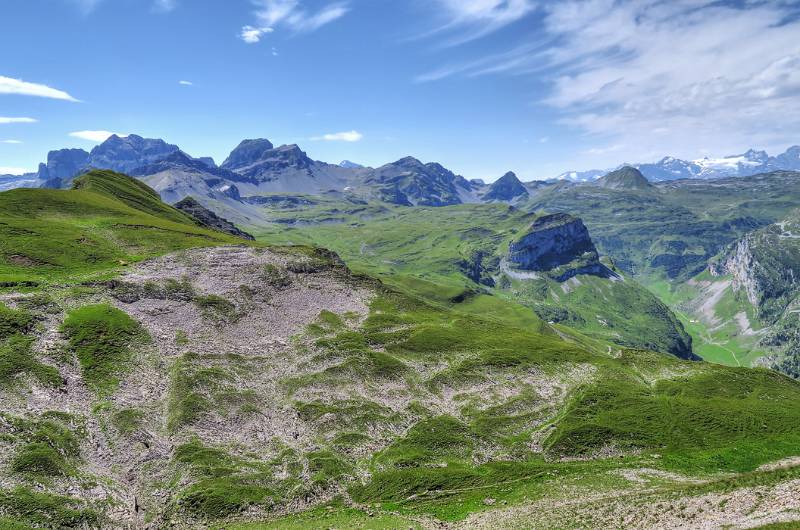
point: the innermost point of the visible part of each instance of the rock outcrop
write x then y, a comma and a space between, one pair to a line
559, 243
209, 219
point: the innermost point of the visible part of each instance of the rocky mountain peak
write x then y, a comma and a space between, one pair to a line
207, 160
790, 159
126, 153
506, 188
407, 162
756, 156
625, 178
62, 165
247, 152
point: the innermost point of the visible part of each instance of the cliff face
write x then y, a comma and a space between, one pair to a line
741, 265
555, 241
765, 265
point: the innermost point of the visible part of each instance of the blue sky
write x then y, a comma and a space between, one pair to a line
482, 86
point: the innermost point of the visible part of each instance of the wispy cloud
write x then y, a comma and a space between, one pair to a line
12, 142
4, 170
9, 85
5, 119
347, 136
466, 20
94, 136
271, 14
652, 75
185, 83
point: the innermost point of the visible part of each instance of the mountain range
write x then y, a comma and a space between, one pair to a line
751, 162
256, 167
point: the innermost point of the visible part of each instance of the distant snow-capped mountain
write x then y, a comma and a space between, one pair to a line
749, 163
582, 176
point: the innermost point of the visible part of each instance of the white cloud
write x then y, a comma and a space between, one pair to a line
94, 136
347, 136
654, 76
10, 142
4, 119
289, 13
9, 85
185, 83
252, 35
13, 170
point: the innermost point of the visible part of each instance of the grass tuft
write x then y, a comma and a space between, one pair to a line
101, 337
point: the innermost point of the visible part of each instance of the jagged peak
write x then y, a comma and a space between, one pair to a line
407, 161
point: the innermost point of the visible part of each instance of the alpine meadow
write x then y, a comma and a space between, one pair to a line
537, 291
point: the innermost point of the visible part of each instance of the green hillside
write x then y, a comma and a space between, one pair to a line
106, 221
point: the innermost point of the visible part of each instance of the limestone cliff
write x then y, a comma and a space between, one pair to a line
559, 243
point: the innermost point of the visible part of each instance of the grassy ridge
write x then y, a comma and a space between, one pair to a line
109, 220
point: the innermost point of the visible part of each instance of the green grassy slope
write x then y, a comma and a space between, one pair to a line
108, 220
